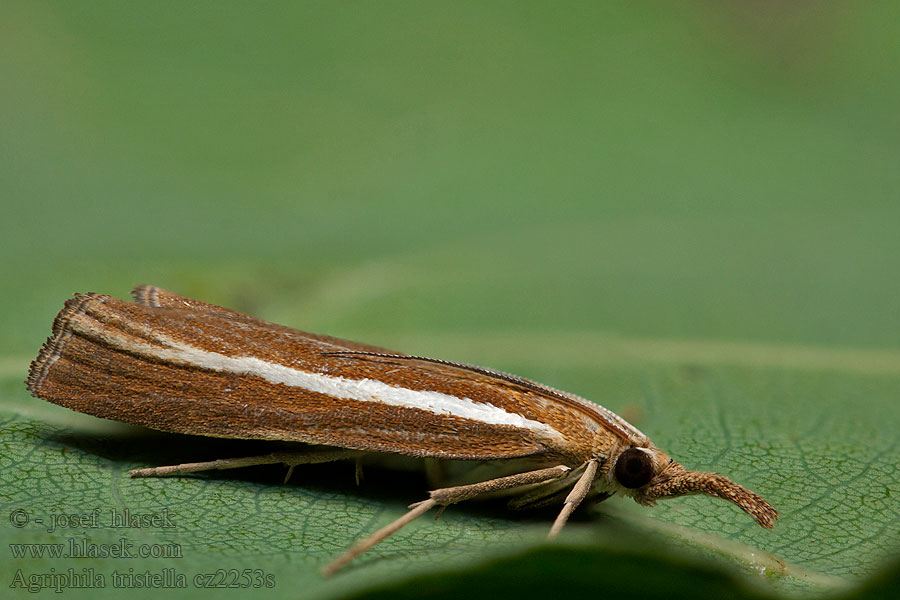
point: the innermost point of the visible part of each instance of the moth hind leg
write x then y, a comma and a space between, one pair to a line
290, 459
442, 498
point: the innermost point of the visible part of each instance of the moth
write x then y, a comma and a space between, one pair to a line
180, 365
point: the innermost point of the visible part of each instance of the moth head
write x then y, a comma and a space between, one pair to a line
648, 474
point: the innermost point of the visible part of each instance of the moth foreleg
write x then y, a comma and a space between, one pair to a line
291, 459
578, 493
444, 497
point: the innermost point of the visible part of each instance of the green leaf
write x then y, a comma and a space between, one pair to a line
687, 214
838, 499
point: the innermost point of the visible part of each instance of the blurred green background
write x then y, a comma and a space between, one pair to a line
618, 199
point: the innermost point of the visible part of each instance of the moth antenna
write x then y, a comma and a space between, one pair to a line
682, 482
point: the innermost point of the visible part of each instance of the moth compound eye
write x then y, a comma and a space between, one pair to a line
634, 468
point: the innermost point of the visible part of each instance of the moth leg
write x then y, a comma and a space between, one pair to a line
442, 498
575, 497
359, 472
542, 495
291, 459
318, 456
558, 498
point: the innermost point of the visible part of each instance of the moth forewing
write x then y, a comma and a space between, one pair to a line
181, 365
221, 375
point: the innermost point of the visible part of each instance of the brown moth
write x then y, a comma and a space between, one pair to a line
180, 365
